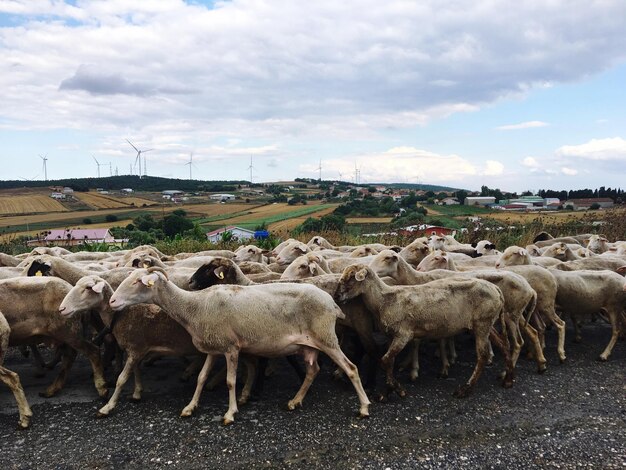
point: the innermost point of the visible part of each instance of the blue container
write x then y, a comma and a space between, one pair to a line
261, 234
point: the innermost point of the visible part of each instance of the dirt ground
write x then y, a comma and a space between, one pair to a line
572, 416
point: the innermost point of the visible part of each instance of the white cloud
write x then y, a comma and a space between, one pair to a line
530, 162
523, 125
406, 164
569, 171
493, 168
610, 149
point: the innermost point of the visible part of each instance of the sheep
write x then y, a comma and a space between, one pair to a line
545, 239
268, 320
8, 260
362, 251
598, 244
596, 263
11, 379
337, 265
291, 252
582, 293
439, 309
520, 298
449, 244
305, 266
9, 272
515, 256
560, 251
415, 251
139, 330
30, 306
485, 247
220, 253
70, 272
221, 271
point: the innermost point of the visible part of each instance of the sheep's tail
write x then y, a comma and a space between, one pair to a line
530, 309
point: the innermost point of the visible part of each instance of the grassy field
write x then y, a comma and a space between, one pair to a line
369, 220
284, 226
271, 213
547, 217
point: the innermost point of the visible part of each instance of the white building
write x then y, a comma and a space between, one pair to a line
222, 197
127, 190
238, 233
57, 196
479, 200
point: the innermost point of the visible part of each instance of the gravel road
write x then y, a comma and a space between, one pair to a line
572, 416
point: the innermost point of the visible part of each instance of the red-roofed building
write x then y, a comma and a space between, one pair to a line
238, 233
73, 237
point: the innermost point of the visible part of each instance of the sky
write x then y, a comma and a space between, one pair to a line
513, 95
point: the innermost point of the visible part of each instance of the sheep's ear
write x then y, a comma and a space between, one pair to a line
313, 268
146, 265
522, 252
621, 270
149, 279
97, 288
360, 275
219, 272
474, 245
490, 246
301, 249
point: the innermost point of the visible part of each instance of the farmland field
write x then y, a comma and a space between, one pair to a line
30, 204
103, 201
369, 220
546, 217
285, 226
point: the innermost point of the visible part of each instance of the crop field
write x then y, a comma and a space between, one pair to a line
546, 217
29, 204
104, 201
284, 226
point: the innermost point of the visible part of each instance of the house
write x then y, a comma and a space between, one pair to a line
222, 197
586, 203
479, 200
126, 190
74, 237
57, 196
172, 192
449, 201
68, 190
238, 233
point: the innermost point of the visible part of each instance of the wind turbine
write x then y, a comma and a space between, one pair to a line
99, 164
190, 163
138, 159
320, 170
250, 168
110, 169
45, 167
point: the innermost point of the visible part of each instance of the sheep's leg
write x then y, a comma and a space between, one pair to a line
540, 326
362, 324
397, 344
312, 369
131, 361
615, 326
415, 359
560, 326
339, 358
534, 339
202, 376
259, 381
193, 367
38, 361
12, 380
445, 364
93, 354
232, 359
251, 371
577, 335
452, 349
69, 355
515, 337
136, 396
482, 355
501, 343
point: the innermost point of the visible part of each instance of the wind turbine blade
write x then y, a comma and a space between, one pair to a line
144, 151
131, 144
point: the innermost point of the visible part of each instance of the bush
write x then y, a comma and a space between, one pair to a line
595, 206
87, 221
111, 218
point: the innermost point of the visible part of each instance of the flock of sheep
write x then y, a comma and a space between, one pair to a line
300, 299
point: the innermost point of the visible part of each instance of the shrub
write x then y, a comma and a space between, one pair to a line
87, 221
111, 218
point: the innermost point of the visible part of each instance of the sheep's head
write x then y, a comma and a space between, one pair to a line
533, 250
362, 251
385, 263
514, 256
351, 283
559, 251
484, 247
437, 260
249, 253
39, 267
87, 294
140, 287
217, 271
597, 244
303, 267
143, 261
436, 242
414, 253
291, 252
542, 236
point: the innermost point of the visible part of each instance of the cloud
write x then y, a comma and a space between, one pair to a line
569, 171
605, 150
493, 168
523, 125
530, 162
408, 164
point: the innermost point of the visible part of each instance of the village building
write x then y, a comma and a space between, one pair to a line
238, 234
75, 237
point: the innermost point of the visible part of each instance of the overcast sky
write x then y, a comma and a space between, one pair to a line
515, 95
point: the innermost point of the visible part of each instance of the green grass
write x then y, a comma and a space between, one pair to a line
252, 223
457, 211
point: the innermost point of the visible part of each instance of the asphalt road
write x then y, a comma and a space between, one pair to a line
572, 416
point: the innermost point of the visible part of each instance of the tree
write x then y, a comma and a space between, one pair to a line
175, 224
461, 195
595, 206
